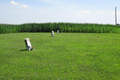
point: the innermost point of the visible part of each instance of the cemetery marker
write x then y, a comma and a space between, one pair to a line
57, 31
52, 33
28, 44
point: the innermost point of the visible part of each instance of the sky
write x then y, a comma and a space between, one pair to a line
70, 11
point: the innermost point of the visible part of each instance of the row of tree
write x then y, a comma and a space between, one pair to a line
62, 27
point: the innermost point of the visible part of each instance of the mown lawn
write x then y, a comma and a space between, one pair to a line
67, 56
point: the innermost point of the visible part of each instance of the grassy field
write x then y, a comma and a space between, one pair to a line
67, 56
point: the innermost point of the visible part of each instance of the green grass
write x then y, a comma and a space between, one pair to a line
67, 56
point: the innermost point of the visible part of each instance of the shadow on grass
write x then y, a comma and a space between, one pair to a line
23, 50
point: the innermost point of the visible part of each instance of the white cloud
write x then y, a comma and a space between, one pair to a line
25, 6
13, 2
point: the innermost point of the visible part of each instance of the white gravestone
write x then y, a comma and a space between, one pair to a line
28, 44
57, 31
52, 33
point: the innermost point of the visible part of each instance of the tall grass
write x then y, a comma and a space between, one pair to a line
63, 27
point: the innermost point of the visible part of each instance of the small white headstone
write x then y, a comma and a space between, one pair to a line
28, 44
52, 33
57, 31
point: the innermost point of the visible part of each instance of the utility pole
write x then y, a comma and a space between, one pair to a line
115, 16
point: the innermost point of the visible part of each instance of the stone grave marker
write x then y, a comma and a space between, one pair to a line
52, 33
57, 31
28, 44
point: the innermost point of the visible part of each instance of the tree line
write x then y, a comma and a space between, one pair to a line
62, 27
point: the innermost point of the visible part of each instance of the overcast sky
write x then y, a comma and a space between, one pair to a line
73, 11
